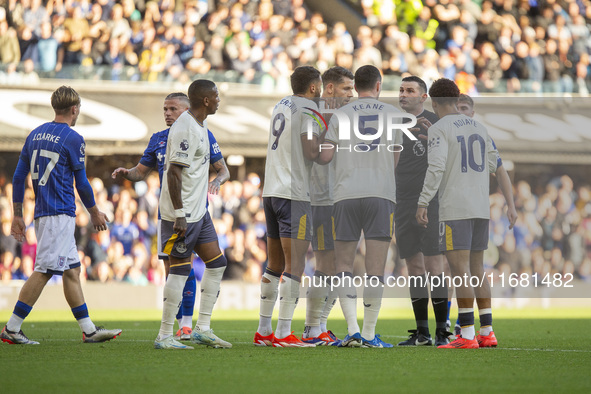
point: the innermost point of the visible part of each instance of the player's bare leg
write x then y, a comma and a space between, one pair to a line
33, 287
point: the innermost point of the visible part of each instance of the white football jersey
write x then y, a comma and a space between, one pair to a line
321, 183
187, 146
321, 180
287, 172
364, 168
461, 156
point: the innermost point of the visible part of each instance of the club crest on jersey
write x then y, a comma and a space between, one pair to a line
184, 145
61, 261
82, 148
418, 148
180, 247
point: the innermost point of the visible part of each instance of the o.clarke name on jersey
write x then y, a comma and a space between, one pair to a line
47, 137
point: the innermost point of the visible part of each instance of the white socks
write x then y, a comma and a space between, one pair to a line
173, 295
186, 321
348, 298
468, 331
372, 301
331, 300
316, 299
268, 297
87, 326
289, 292
210, 289
14, 323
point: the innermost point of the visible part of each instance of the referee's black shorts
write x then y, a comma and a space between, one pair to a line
412, 238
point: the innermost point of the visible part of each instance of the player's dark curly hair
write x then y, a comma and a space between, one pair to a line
302, 78
444, 91
336, 75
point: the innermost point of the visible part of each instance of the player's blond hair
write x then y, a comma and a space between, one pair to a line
464, 98
63, 99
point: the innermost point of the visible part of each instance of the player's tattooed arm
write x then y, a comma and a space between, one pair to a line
223, 174
135, 174
18, 209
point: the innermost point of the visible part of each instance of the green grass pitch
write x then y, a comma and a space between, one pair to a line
539, 351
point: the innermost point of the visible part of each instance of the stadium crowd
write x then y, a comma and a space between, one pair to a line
485, 46
127, 250
552, 233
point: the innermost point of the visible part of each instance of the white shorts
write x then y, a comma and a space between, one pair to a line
56, 245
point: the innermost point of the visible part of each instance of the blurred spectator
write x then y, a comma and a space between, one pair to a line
123, 230
8, 250
261, 41
119, 27
9, 48
425, 27
152, 61
77, 29
535, 66
47, 47
552, 233
34, 15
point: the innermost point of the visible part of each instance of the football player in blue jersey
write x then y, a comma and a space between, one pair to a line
208, 248
54, 154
